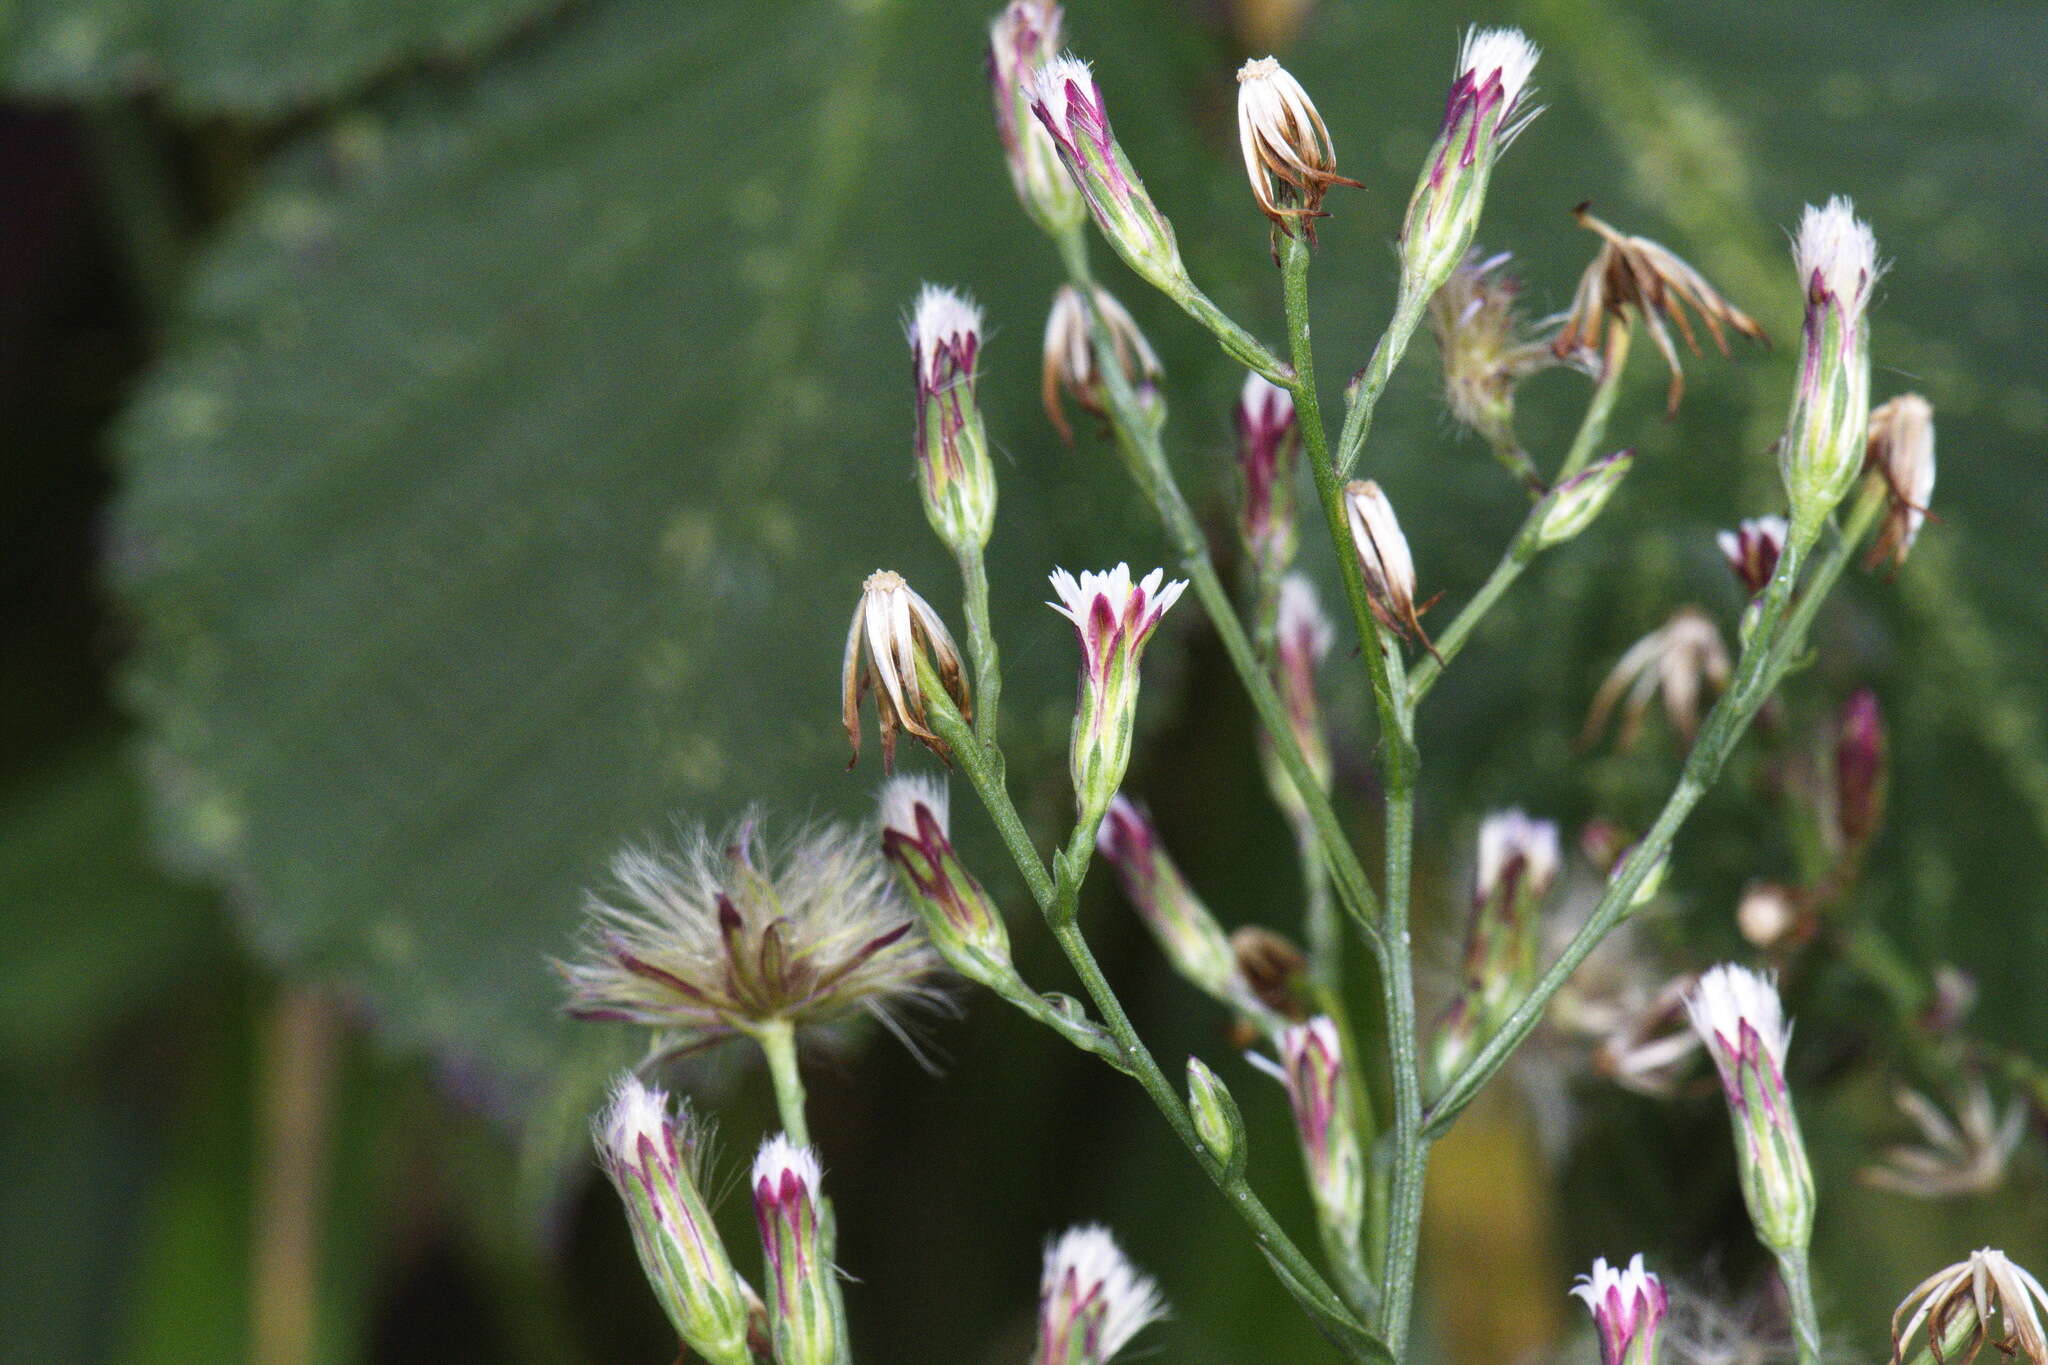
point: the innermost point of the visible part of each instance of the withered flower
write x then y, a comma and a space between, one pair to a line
1383, 557
1956, 1307
894, 627
711, 937
1070, 356
1678, 659
1901, 452
1487, 350
1287, 151
1966, 1154
1635, 272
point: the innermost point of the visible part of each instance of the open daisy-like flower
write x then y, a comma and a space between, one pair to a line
713, 937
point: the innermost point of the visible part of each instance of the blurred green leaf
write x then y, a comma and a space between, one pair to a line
239, 56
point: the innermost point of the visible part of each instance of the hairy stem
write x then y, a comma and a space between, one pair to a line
778, 1043
1797, 1274
1392, 345
981, 644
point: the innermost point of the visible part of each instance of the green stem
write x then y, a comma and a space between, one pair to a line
1521, 552
778, 1041
1393, 344
981, 643
1764, 663
1797, 1274
1240, 345
1605, 389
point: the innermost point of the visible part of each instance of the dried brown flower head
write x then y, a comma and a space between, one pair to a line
1287, 151
1678, 660
1069, 365
1956, 1307
1487, 350
893, 627
1964, 1154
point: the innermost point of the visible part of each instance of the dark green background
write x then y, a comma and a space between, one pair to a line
447, 438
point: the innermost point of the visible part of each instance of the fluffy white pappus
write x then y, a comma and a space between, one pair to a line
1836, 245
1301, 617
1614, 1290
1050, 85
1729, 996
1115, 586
1097, 1267
636, 1110
942, 317
1264, 401
1507, 834
779, 1157
901, 796
1506, 50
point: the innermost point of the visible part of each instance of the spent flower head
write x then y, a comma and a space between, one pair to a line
1091, 1299
1635, 274
1114, 617
1628, 1308
1752, 550
893, 630
652, 1156
1487, 351
1901, 455
1958, 1306
1738, 1015
956, 477
1287, 151
1678, 660
1023, 38
1826, 436
1186, 932
1070, 366
1964, 1149
1384, 559
717, 936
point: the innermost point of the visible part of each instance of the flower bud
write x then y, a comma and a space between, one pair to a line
1115, 619
1518, 862
1768, 914
1024, 37
1302, 637
651, 1156
1570, 507
896, 629
1070, 358
1268, 439
1628, 1308
1859, 770
1312, 1068
1752, 550
955, 475
1384, 559
1068, 103
1739, 1017
1487, 107
1825, 439
1287, 150
1901, 455
1217, 1121
1187, 933
1091, 1300
803, 1310
961, 921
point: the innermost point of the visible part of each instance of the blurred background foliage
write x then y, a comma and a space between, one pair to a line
449, 435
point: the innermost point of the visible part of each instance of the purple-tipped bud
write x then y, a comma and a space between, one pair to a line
1267, 440
1518, 861
1183, 926
1318, 1089
1859, 769
959, 918
1487, 107
955, 475
1302, 636
651, 1156
1091, 1300
1024, 37
1737, 1014
803, 1310
1628, 1308
1069, 104
1114, 617
1826, 437
1752, 550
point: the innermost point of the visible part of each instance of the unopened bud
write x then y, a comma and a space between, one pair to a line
1518, 861
1068, 103
955, 475
1267, 441
1737, 1014
1287, 150
1628, 1308
1186, 932
1752, 550
1825, 438
1217, 1121
1859, 769
803, 1309
1488, 105
1272, 970
1091, 1300
1115, 618
959, 918
1070, 366
1570, 507
651, 1156
1302, 637
1384, 559
893, 630
1024, 37
1901, 456
1312, 1067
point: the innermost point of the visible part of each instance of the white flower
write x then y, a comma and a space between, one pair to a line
1092, 1297
1730, 1000
901, 796
1506, 52
1835, 251
945, 332
781, 1159
1110, 610
1627, 1307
